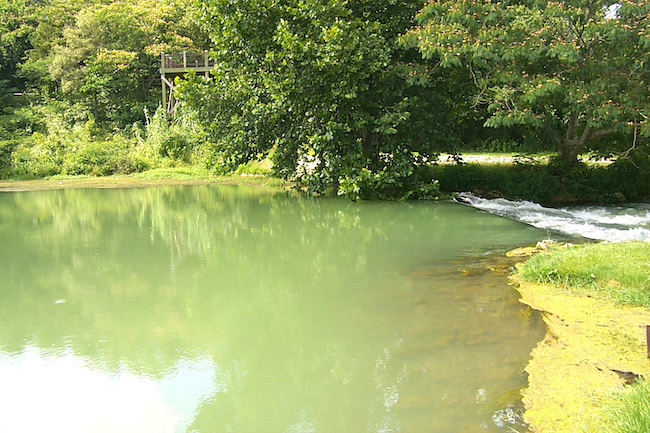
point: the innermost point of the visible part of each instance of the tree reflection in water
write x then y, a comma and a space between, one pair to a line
243, 309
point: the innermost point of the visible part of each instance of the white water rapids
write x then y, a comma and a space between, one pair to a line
607, 223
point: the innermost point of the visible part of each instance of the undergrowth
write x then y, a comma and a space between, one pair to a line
64, 145
548, 184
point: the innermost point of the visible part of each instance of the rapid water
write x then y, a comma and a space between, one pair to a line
606, 223
232, 309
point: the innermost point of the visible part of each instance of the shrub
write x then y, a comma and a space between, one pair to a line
174, 139
633, 175
548, 184
6, 149
38, 156
175, 146
100, 158
253, 168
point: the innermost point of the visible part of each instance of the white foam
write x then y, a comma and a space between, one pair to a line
607, 223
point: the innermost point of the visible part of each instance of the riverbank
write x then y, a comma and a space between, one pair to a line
593, 347
147, 179
539, 181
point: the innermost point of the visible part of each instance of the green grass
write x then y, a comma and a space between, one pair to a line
255, 168
618, 272
628, 411
175, 173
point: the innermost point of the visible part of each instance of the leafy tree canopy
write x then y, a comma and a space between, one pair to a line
577, 70
109, 57
326, 88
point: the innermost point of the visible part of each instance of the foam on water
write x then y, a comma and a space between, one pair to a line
607, 223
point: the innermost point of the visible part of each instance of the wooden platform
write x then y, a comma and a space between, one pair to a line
178, 64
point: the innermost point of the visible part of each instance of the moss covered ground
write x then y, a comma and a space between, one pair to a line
594, 354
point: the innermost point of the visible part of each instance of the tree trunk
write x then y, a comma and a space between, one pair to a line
569, 147
572, 144
568, 151
370, 147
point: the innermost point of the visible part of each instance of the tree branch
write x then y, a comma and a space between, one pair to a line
586, 136
573, 120
600, 133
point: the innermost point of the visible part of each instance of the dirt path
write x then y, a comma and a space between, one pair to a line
487, 158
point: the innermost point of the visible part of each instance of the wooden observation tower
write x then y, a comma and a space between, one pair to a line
178, 64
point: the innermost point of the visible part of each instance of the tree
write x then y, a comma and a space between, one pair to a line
14, 37
325, 86
109, 57
575, 70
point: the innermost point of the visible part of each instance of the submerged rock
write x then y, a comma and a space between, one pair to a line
545, 244
522, 252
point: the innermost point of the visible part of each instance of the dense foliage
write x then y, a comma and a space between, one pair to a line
325, 86
533, 181
574, 71
356, 97
79, 84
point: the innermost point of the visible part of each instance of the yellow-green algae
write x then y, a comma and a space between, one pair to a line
573, 370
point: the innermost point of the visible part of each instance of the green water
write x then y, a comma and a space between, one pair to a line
232, 309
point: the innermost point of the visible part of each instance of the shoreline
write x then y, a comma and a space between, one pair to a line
591, 348
110, 182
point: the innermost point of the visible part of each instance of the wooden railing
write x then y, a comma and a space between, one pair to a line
183, 62
176, 64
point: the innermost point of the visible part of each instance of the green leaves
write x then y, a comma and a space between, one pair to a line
322, 84
563, 65
106, 55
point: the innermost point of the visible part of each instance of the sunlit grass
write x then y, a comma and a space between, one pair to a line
628, 411
176, 173
619, 272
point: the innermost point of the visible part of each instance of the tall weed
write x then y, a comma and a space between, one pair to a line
177, 140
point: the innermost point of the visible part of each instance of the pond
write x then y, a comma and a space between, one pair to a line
234, 309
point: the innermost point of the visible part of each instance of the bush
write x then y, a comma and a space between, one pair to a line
547, 184
175, 146
100, 158
517, 182
253, 168
38, 156
394, 182
6, 149
632, 174
176, 139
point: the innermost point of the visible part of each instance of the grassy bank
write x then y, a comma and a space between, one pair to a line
156, 177
583, 376
616, 272
542, 182
627, 410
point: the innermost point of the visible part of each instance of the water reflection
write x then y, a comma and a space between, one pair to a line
41, 390
236, 309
